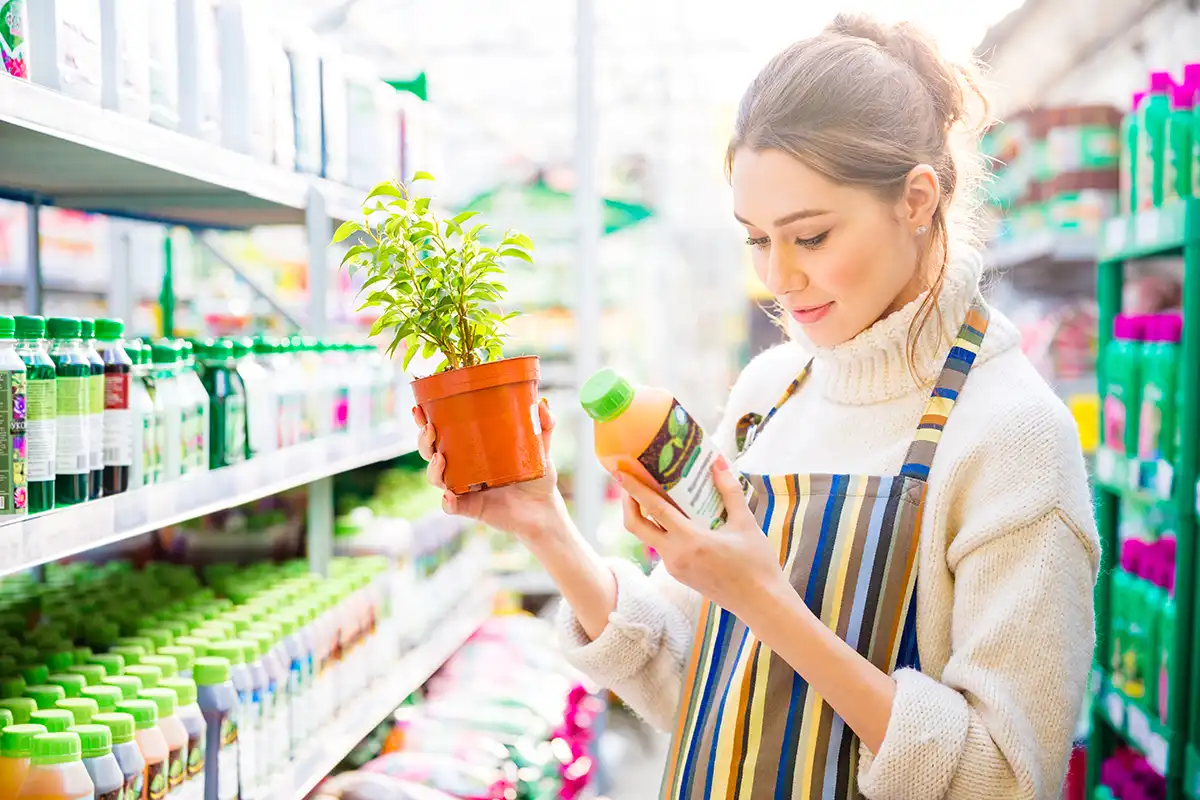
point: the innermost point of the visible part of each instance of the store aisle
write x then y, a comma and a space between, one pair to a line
634, 755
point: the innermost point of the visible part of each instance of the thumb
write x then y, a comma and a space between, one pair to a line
546, 418
730, 489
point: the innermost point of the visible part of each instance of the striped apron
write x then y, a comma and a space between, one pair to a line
749, 726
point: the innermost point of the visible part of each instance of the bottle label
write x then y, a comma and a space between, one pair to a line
14, 449
681, 459
118, 422
71, 425
196, 751
235, 429
115, 794
134, 785
1150, 422
156, 781
1114, 422
149, 449
41, 398
177, 771
96, 423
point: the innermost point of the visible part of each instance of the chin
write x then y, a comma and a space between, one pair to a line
825, 333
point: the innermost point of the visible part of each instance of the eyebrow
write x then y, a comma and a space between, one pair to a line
787, 219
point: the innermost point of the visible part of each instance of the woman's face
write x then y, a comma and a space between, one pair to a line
836, 258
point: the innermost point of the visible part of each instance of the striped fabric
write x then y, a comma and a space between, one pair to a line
749, 726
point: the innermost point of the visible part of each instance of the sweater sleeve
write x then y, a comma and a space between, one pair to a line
999, 722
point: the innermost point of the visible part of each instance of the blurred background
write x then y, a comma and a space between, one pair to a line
181, 166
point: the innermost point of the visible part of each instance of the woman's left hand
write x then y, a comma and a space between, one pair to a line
735, 566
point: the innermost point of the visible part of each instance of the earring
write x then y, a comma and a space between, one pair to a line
922, 229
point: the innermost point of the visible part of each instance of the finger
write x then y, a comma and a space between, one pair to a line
652, 504
546, 418
636, 523
435, 473
419, 417
450, 503
730, 489
426, 439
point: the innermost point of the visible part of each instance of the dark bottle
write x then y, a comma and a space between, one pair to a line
227, 403
72, 374
95, 411
41, 405
118, 418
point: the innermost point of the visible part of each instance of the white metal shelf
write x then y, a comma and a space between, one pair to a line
39, 539
77, 155
372, 707
1052, 247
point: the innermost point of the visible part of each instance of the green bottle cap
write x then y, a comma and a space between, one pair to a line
87, 328
211, 671
167, 665
8, 327
231, 650
56, 747
144, 712
606, 395
56, 720
60, 661
183, 656
185, 689
20, 708
164, 699
16, 741
35, 674
71, 684
177, 627
62, 328
82, 708
129, 685
30, 327
6, 718
144, 642
159, 637
96, 740
196, 644
130, 654
106, 697
164, 353
12, 686
109, 330
148, 674
121, 726
92, 674
46, 696
263, 640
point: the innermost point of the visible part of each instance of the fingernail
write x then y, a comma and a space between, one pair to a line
414, 412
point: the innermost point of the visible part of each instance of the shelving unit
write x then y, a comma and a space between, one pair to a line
1173, 229
1047, 247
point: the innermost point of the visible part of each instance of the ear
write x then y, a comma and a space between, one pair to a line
921, 196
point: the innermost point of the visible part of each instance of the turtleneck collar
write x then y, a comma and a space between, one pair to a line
873, 367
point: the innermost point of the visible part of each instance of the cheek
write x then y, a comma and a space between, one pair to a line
849, 266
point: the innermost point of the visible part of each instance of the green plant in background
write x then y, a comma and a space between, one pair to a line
433, 279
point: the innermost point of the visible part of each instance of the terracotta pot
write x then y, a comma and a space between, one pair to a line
487, 423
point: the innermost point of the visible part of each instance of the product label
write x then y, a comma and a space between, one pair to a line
187, 439
235, 429
41, 398
1114, 421
177, 769
149, 448
115, 794
197, 748
12, 38
1150, 422
681, 459
134, 786
71, 424
156, 781
13, 447
96, 422
118, 422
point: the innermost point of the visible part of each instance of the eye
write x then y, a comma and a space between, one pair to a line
759, 243
814, 242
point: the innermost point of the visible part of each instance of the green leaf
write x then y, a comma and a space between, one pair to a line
666, 457
428, 350
521, 240
355, 251
385, 189
421, 205
512, 252
463, 216
422, 176
675, 427
476, 230
345, 230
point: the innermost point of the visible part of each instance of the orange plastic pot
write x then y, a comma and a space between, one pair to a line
487, 423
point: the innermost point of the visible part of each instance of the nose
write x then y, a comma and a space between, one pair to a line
784, 272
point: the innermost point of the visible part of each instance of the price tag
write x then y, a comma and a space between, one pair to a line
1139, 727
1164, 479
1106, 465
1114, 236
1146, 228
1157, 751
1115, 707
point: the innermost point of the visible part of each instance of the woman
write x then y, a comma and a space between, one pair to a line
929, 632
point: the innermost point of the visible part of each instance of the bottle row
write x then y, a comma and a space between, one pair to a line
88, 414
1141, 387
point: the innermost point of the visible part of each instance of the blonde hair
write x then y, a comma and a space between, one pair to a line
863, 103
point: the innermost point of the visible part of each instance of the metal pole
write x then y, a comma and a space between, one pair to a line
33, 264
589, 481
319, 530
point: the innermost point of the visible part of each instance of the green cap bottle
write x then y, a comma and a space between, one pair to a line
185, 689
165, 700
92, 673
35, 674
167, 665
96, 740
56, 747
46, 696
16, 741
144, 713
106, 697
131, 655
231, 650
197, 645
211, 671
71, 684
121, 726
12, 686
56, 720
82, 708
149, 675
129, 685
20, 707
606, 396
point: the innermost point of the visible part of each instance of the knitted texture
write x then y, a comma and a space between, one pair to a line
1006, 564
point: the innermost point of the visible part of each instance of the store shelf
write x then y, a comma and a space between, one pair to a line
1152, 233
76, 155
1151, 481
533, 582
1040, 248
363, 715
65, 532
1135, 726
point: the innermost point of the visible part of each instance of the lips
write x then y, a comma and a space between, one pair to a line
811, 314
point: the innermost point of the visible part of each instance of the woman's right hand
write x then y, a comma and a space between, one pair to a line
523, 509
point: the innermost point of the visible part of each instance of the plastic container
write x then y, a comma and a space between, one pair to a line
645, 432
199, 70
1160, 387
111, 662
1129, 157
119, 419
72, 420
55, 720
16, 750
247, 87
13, 58
264, 717
95, 411
1122, 385
1177, 165
169, 402
125, 749
196, 418
125, 40
63, 45
182, 655
92, 674
41, 400
152, 744
146, 458
21, 708
248, 713
96, 746
14, 498
189, 713
218, 701
83, 709
128, 685
56, 771
1153, 112
175, 734
105, 697
149, 675
262, 403
45, 695
276, 701
164, 63
227, 404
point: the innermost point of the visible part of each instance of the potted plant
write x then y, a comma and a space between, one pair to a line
435, 283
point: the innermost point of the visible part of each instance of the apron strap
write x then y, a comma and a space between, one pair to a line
945, 392
752, 424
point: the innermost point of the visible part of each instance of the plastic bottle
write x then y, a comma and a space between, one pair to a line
149, 675
95, 410
297, 685
1122, 384
227, 404
45, 695
276, 705
73, 375
21, 708
55, 720
125, 749
218, 701
197, 399
128, 685
263, 716
262, 405
152, 744
96, 746
56, 771
40, 409
14, 498
644, 431
291, 392
189, 713
105, 697
83, 709
16, 750
111, 662
183, 657
169, 410
247, 714
1152, 121
72, 684
1177, 166
1129, 159
1160, 383
120, 441
146, 464
92, 673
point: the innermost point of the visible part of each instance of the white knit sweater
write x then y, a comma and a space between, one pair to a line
1008, 557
